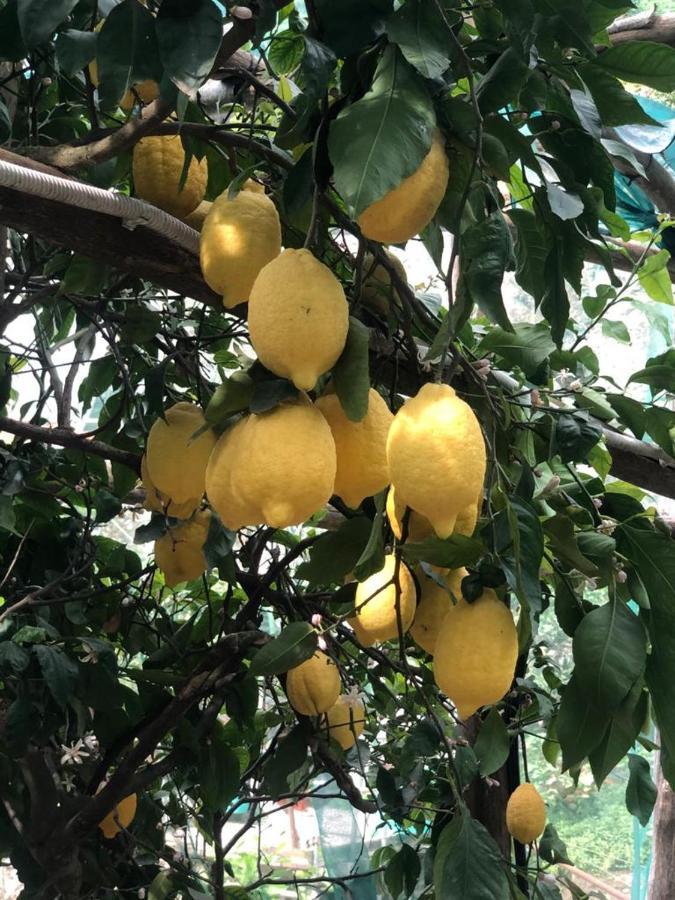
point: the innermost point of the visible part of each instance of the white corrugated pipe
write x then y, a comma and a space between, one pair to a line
85, 196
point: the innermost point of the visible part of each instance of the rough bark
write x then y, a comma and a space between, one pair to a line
662, 877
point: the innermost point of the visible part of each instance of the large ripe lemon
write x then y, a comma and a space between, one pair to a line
222, 476
433, 606
361, 447
408, 208
277, 469
376, 601
157, 167
475, 652
179, 553
121, 817
177, 452
436, 456
239, 237
313, 686
298, 317
344, 721
526, 814
156, 501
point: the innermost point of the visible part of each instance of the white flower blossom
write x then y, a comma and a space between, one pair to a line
73, 754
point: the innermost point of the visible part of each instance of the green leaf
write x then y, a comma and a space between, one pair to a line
286, 51
232, 396
218, 771
74, 49
21, 723
581, 726
39, 19
381, 139
351, 375
615, 105
555, 304
552, 848
502, 82
468, 864
296, 643
653, 555
629, 412
615, 330
609, 653
334, 554
402, 872
640, 791
659, 372
621, 734
372, 558
59, 671
269, 393
575, 434
641, 62
492, 744
318, 64
519, 543
13, 656
421, 34
126, 50
451, 553
351, 25
560, 532
7, 514
654, 276
486, 253
12, 47
564, 204
527, 346
189, 36
289, 756
531, 251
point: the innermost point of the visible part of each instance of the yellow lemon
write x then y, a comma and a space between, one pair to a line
276, 469
157, 167
313, 686
377, 290
408, 208
436, 456
361, 447
179, 553
344, 721
475, 652
197, 217
156, 501
526, 814
177, 452
432, 608
376, 601
419, 528
121, 817
239, 237
298, 317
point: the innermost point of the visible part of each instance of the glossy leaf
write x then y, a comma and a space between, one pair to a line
467, 865
640, 790
351, 374
189, 37
296, 643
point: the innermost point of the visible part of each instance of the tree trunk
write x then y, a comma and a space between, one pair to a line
662, 877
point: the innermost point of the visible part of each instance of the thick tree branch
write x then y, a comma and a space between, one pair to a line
643, 27
64, 437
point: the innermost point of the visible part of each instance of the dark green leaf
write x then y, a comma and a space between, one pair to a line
189, 36
552, 848
126, 50
492, 744
381, 139
12, 47
519, 543
609, 653
555, 304
318, 64
232, 396
59, 671
289, 756
39, 19
153, 530
581, 726
218, 771
351, 374
270, 393
575, 434
641, 62
296, 643
74, 49
640, 790
527, 346
486, 253
21, 724
7, 515
402, 872
451, 553
560, 532
531, 252
13, 656
503, 82
352, 24
468, 864
615, 105
419, 30
335, 553
372, 558
621, 734
629, 412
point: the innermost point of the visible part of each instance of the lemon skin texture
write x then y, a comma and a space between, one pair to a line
298, 317
276, 469
419, 528
344, 721
239, 237
180, 552
197, 217
432, 608
408, 208
313, 686
475, 653
436, 456
376, 599
121, 817
526, 814
176, 458
361, 447
156, 501
157, 166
